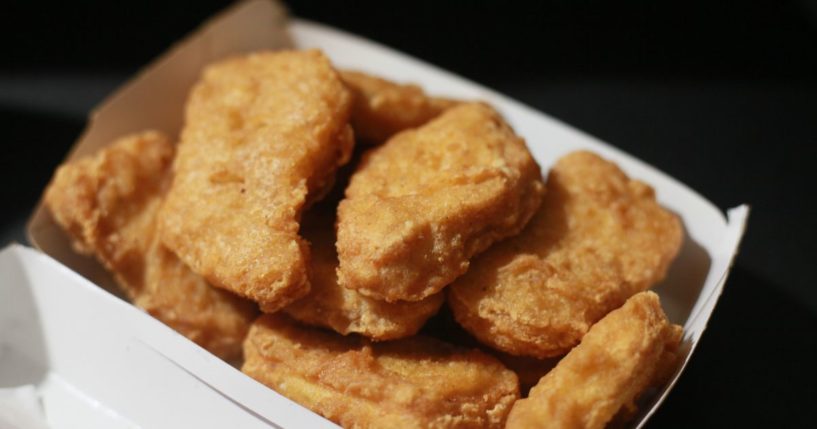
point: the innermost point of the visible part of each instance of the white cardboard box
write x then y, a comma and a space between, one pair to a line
97, 361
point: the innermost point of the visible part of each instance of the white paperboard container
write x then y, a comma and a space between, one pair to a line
100, 362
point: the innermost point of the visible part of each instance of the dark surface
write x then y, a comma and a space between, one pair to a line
721, 95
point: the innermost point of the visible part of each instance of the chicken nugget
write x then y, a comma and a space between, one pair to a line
415, 382
264, 134
108, 205
605, 374
346, 310
597, 239
419, 207
383, 108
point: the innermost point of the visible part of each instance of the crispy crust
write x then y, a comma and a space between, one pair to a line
419, 207
415, 382
598, 238
529, 370
263, 137
346, 310
383, 108
604, 375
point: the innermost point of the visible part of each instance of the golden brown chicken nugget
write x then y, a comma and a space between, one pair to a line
415, 382
346, 310
598, 239
419, 207
108, 205
605, 374
383, 108
264, 134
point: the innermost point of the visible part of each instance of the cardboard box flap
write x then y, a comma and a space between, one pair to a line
98, 362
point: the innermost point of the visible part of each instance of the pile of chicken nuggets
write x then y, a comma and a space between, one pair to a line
382, 256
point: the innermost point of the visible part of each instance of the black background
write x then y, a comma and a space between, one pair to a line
721, 95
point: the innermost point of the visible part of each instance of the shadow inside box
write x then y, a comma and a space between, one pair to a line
681, 288
24, 356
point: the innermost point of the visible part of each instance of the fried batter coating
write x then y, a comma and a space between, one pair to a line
420, 206
416, 382
529, 370
264, 135
346, 310
383, 108
598, 239
603, 375
108, 205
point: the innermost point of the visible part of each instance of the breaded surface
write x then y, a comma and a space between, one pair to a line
415, 382
420, 206
213, 318
346, 310
263, 135
383, 108
108, 205
598, 238
603, 375
529, 370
